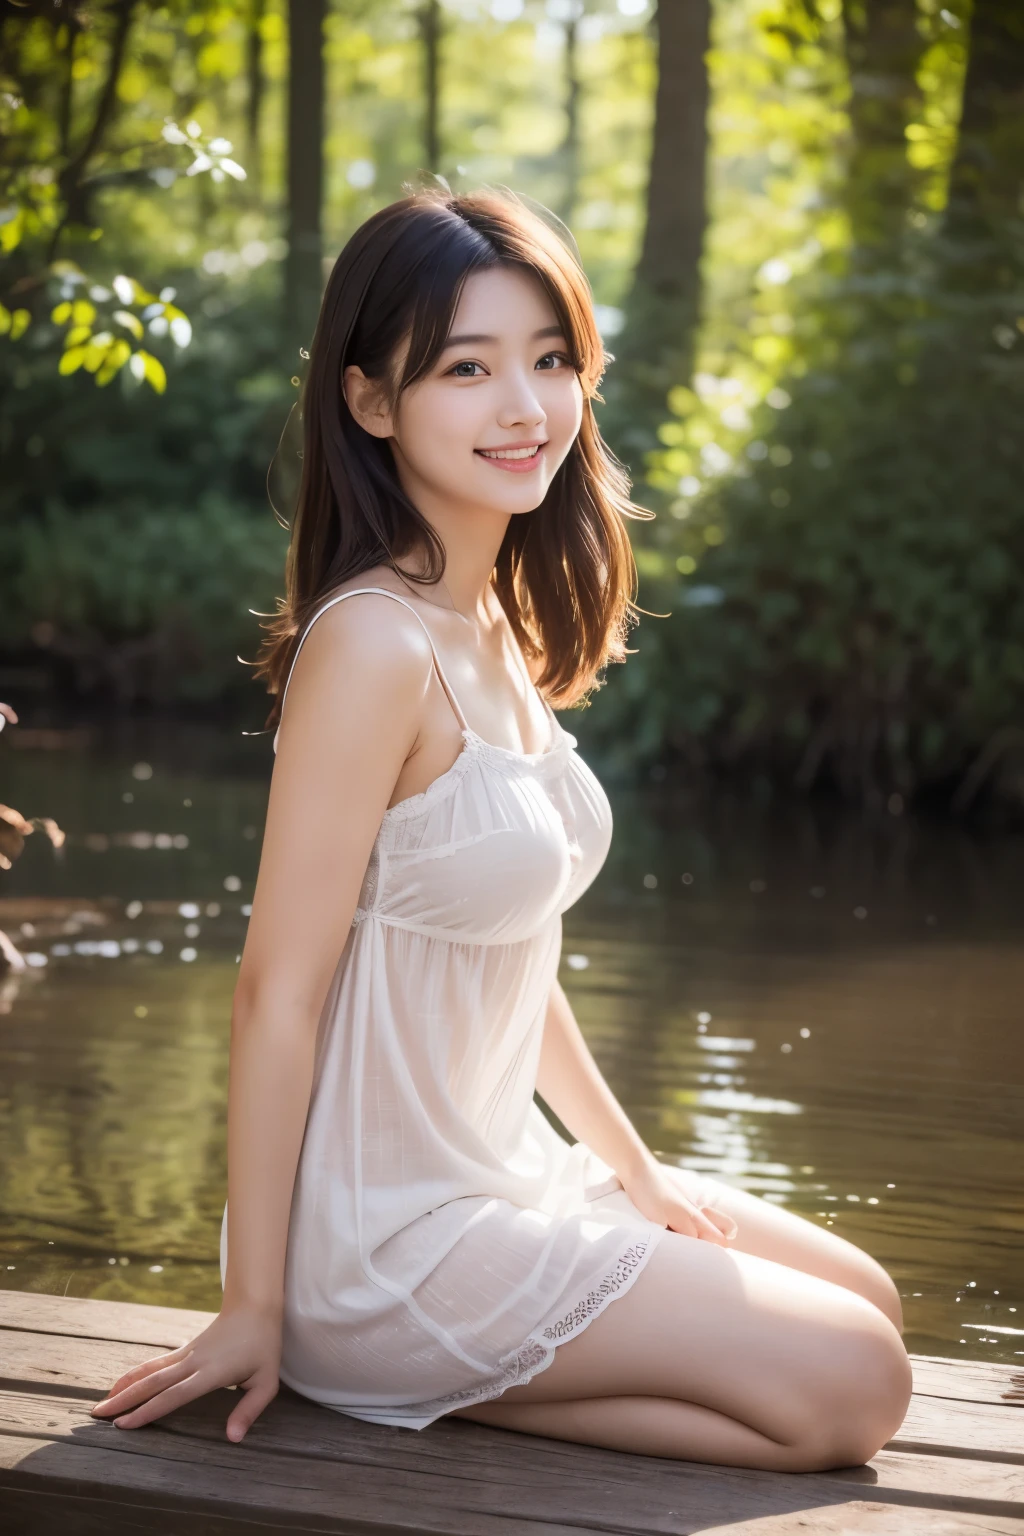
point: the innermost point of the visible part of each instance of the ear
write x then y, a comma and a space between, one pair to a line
366, 400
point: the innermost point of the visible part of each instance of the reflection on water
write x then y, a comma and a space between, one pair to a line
820, 1009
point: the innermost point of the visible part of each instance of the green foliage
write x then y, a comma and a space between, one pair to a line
854, 598
135, 532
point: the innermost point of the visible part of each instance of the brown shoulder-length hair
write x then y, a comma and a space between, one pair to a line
565, 574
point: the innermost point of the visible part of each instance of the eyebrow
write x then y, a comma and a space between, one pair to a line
475, 340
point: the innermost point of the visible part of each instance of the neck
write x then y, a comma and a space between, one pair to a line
471, 537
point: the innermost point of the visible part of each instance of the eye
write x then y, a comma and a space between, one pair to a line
454, 372
554, 358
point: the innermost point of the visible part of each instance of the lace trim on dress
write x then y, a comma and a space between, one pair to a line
519, 1367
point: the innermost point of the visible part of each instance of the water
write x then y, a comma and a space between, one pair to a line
822, 1009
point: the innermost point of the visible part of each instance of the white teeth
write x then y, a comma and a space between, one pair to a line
509, 453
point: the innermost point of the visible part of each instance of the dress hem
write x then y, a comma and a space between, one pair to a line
537, 1352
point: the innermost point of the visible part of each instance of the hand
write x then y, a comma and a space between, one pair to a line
240, 1348
658, 1197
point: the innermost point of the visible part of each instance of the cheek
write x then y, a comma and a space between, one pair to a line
435, 421
565, 412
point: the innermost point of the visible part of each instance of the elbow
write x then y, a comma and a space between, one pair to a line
268, 1008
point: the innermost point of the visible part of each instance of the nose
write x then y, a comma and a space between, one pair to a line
520, 406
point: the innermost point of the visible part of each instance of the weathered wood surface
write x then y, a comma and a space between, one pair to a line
957, 1465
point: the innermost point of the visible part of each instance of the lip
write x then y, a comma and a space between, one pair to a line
514, 466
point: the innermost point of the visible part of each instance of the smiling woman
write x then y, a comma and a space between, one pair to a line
406, 1235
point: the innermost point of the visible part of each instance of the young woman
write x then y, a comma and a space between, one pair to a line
405, 1235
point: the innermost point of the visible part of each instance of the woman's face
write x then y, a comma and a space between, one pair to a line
487, 428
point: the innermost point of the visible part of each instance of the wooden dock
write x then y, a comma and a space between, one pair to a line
956, 1467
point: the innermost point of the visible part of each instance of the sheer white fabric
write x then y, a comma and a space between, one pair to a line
444, 1239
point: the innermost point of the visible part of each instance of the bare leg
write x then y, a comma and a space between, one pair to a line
722, 1356
772, 1232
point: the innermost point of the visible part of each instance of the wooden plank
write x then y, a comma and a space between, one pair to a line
51, 1362
82, 1317
975, 1381
948, 1427
488, 1471
156, 1482
862, 1519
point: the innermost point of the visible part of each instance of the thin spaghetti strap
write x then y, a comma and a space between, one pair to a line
384, 592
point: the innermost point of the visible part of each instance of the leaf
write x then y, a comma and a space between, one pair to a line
5, 320
130, 322
95, 354
78, 335
116, 358
152, 371
12, 227
62, 314
71, 360
19, 323
82, 312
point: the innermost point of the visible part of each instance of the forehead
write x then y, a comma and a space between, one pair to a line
504, 301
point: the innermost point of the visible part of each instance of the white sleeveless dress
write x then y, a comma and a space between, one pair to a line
443, 1238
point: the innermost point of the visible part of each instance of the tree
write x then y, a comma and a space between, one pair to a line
569, 150
254, 93
430, 33
987, 175
663, 309
883, 51
303, 275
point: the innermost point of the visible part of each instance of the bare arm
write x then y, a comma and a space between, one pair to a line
351, 721
570, 1082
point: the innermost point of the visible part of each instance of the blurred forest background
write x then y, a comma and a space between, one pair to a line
804, 227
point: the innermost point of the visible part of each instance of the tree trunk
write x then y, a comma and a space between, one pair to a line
656, 348
883, 52
569, 152
987, 175
303, 276
430, 32
254, 96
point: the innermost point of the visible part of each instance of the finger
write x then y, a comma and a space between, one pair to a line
173, 1397
683, 1222
149, 1386
704, 1229
725, 1224
146, 1367
249, 1410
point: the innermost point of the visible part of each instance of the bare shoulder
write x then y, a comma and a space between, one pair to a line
367, 655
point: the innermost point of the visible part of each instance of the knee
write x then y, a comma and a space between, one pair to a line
882, 1293
858, 1404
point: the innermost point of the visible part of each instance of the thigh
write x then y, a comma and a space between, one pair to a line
771, 1232
789, 1354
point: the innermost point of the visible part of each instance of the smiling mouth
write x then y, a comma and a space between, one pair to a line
502, 455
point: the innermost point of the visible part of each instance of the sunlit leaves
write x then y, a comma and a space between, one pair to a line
12, 227
145, 366
14, 323
103, 332
212, 155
